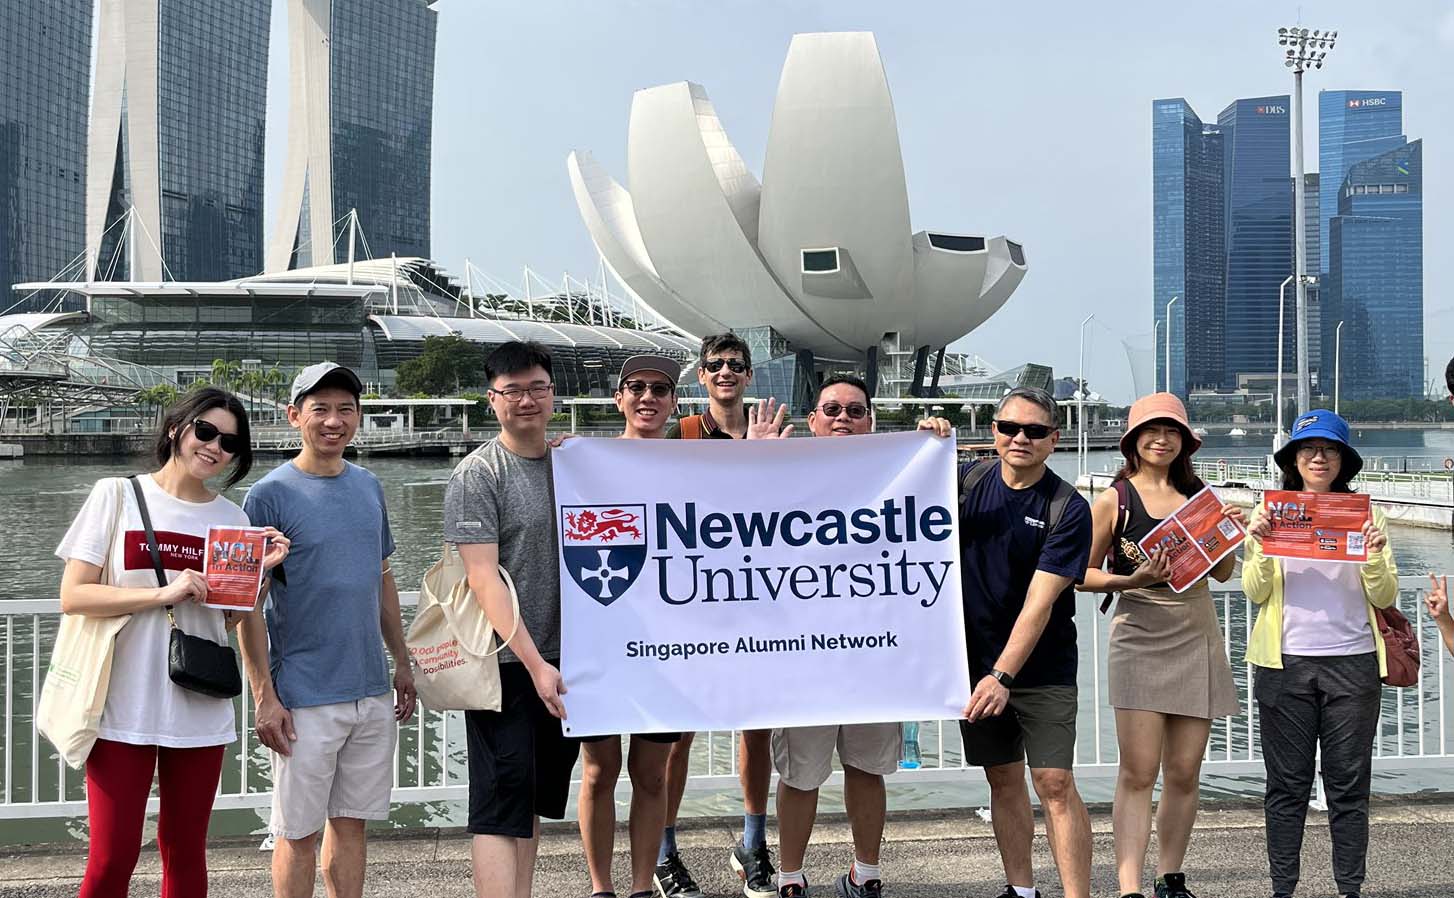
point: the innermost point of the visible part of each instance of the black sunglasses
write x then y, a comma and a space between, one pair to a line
736, 366
1012, 429
638, 387
834, 409
206, 432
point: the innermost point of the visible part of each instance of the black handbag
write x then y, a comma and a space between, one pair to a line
193, 662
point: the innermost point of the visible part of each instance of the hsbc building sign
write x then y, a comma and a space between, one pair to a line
1367, 102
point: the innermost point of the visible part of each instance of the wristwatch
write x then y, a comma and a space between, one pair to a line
1005, 679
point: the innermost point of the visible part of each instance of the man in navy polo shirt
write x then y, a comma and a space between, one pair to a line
1025, 537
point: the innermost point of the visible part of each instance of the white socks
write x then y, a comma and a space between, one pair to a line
1024, 891
861, 873
784, 878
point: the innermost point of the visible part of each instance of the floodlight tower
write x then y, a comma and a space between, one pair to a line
1304, 49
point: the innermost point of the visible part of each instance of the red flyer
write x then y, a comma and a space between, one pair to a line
234, 567
1194, 538
1316, 526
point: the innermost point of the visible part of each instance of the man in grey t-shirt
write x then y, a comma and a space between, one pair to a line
498, 511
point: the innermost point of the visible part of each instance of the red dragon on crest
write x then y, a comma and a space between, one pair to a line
611, 523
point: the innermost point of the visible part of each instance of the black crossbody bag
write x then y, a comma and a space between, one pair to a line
193, 662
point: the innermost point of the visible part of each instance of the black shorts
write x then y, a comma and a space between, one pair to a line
658, 738
1038, 725
519, 761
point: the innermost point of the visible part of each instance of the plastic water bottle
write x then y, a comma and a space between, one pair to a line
910, 759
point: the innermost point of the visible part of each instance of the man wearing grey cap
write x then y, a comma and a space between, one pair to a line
646, 397
320, 681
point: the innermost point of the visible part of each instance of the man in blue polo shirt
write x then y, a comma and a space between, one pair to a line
1025, 536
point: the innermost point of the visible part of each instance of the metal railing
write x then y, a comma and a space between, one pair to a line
1426, 486
430, 762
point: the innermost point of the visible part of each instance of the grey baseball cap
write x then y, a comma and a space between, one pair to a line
321, 375
658, 363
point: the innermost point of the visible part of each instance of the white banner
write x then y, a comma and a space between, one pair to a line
713, 585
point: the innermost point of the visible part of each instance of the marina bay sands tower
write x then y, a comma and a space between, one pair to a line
360, 126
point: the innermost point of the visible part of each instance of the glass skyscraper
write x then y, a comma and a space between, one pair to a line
177, 134
1259, 229
1376, 277
1353, 125
374, 85
45, 70
1188, 240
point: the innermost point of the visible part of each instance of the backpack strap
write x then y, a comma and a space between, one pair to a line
1122, 487
691, 427
972, 472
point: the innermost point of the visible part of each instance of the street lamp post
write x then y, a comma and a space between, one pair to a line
1080, 443
1281, 296
1337, 365
1168, 343
1155, 368
1304, 49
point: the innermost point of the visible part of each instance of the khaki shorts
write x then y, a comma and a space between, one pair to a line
804, 755
342, 766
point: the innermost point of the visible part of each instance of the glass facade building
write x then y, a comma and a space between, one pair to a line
1188, 243
1376, 276
197, 183
45, 70
1259, 234
382, 103
1353, 125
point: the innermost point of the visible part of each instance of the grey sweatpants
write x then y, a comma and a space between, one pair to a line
1312, 701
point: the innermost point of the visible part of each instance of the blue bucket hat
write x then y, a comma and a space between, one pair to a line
1322, 424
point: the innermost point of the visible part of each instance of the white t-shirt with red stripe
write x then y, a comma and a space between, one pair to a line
143, 705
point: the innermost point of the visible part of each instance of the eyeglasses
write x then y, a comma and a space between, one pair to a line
1013, 429
1327, 451
855, 410
638, 387
736, 366
515, 394
206, 432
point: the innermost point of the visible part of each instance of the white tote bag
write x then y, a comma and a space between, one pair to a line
74, 693
455, 668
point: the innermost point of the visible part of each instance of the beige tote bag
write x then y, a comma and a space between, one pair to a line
455, 668
74, 693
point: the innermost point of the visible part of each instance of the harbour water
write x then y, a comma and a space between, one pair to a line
40, 496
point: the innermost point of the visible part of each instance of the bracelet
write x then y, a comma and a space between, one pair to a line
388, 569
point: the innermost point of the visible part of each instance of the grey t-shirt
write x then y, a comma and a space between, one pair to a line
325, 641
496, 496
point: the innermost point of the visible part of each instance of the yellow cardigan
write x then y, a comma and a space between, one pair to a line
1262, 582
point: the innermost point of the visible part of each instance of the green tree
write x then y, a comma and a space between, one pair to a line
447, 365
225, 373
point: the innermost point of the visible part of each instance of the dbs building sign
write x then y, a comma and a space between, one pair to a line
715, 585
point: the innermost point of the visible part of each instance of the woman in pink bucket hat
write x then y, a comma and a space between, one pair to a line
1169, 677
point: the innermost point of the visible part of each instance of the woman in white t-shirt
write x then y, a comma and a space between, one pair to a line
150, 726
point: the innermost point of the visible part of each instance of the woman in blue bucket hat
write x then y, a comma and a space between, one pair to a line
1319, 660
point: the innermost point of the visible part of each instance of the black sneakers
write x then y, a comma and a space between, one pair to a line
792, 890
673, 880
847, 888
1172, 885
754, 867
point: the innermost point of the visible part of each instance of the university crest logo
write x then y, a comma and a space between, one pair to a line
604, 547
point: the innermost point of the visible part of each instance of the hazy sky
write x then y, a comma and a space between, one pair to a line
1031, 120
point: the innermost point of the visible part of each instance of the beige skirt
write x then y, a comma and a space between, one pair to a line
1166, 655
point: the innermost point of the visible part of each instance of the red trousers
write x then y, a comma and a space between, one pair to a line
118, 782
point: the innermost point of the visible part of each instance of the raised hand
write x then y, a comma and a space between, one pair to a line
1373, 538
1437, 599
940, 426
764, 424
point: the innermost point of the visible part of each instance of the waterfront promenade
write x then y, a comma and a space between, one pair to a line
926, 853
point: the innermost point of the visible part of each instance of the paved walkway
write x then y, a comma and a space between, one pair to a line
926, 854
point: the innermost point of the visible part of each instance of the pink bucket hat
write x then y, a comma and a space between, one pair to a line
1158, 407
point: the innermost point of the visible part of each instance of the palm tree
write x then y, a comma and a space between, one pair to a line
225, 373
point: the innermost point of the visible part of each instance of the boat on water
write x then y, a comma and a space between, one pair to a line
1236, 432
1199, 431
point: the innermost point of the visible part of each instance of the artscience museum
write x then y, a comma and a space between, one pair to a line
819, 256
